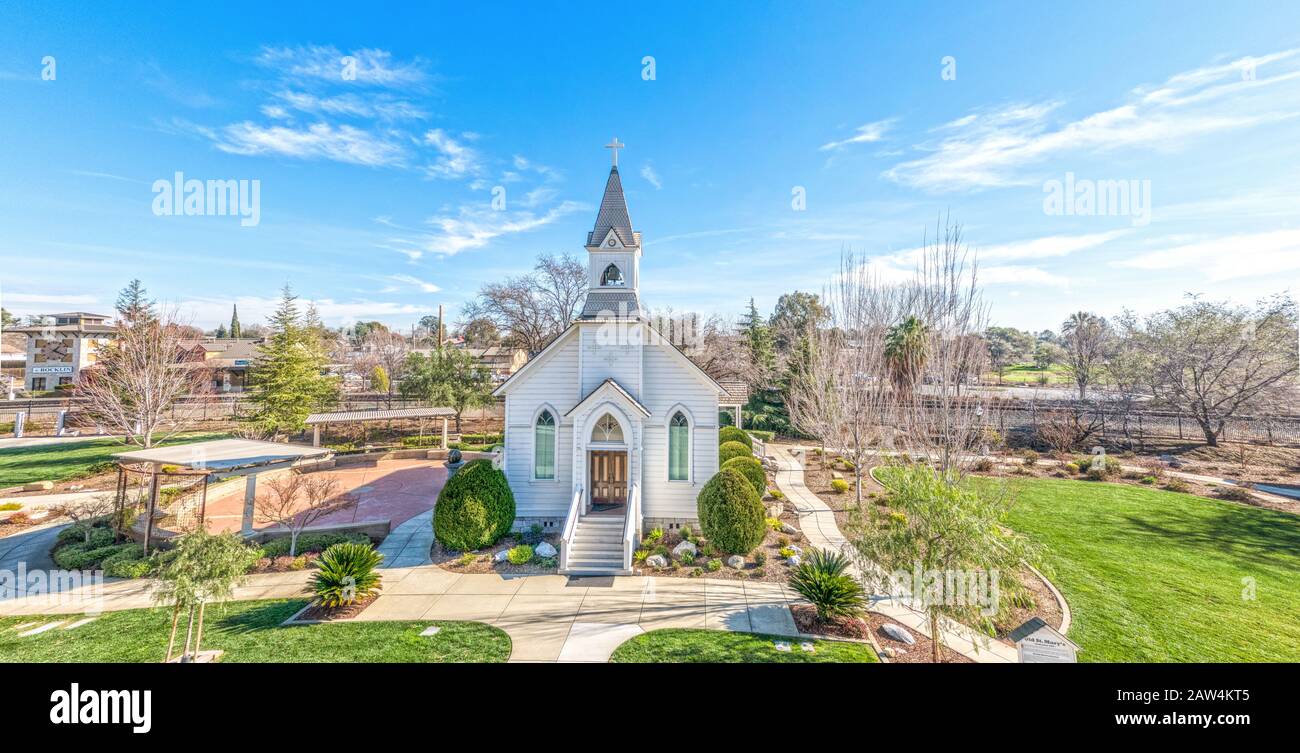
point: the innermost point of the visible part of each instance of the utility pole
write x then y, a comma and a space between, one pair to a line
439, 326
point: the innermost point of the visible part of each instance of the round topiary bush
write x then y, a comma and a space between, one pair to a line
751, 469
475, 508
729, 450
731, 515
732, 434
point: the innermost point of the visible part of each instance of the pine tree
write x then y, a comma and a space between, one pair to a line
289, 373
758, 340
235, 330
221, 332
133, 304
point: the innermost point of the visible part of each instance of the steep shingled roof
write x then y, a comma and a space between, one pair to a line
613, 214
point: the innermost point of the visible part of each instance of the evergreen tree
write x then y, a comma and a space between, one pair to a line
7, 319
289, 373
235, 330
450, 377
221, 332
133, 304
758, 341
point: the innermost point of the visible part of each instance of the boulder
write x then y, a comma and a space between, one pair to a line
38, 486
501, 556
837, 475
789, 529
775, 510
685, 546
794, 560
545, 549
736, 561
656, 560
898, 633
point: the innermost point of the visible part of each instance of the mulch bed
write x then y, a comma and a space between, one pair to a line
286, 564
318, 613
917, 653
805, 618
484, 559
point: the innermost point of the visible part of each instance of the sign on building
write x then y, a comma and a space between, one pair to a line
1040, 643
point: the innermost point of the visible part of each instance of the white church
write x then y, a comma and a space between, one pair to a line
610, 429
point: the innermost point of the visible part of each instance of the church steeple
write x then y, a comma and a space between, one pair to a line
614, 253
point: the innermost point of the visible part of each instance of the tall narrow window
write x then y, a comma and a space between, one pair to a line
544, 451
679, 448
612, 277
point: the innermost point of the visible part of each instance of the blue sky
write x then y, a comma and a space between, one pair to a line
375, 192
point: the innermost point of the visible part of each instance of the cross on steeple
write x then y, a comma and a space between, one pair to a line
614, 146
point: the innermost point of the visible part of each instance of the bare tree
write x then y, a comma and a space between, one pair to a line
1213, 361
1063, 428
388, 350
298, 500
1087, 338
86, 511
134, 385
532, 309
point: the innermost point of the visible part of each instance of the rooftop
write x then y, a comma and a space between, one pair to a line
223, 454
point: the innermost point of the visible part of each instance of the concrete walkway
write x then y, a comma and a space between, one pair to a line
409, 544
548, 617
817, 521
26, 552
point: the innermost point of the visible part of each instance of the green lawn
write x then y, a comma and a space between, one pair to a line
681, 646
66, 460
249, 631
1028, 373
1153, 575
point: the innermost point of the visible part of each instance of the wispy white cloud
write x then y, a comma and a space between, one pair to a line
326, 63
413, 281
341, 143
381, 106
1226, 257
866, 134
1049, 246
1002, 146
474, 226
651, 177
63, 300
455, 159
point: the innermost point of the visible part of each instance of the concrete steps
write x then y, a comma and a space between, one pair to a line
597, 547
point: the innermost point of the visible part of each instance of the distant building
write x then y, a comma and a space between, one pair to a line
58, 350
229, 359
500, 360
13, 359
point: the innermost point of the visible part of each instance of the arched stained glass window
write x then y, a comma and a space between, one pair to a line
544, 446
679, 448
607, 430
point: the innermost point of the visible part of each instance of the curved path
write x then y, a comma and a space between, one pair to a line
817, 522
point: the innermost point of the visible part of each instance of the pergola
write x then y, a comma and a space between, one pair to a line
214, 460
735, 398
315, 420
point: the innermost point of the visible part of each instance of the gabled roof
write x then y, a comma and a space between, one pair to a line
613, 214
615, 387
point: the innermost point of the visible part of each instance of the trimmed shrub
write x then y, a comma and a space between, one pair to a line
520, 555
1031, 458
766, 436
760, 558
729, 450
732, 434
751, 469
714, 565
983, 465
731, 514
822, 580
346, 573
839, 485
311, 542
475, 508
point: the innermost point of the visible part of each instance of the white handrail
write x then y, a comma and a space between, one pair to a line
570, 523
632, 526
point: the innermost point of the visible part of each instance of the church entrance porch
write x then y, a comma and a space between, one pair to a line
609, 487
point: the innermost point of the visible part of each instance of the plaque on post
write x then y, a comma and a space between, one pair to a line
1040, 643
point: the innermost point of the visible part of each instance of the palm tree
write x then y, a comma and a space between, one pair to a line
907, 346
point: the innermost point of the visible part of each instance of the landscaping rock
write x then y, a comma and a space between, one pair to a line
501, 556
789, 529
545, 549
775, 510
795, 560
898, 633
796, 549
1171, 460
656, 560
38, 486
736, 561
685, 546
837, 475
892, 653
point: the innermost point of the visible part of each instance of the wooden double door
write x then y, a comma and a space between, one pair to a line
608, 477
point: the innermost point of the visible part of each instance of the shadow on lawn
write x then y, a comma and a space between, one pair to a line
1252, 536
261, 617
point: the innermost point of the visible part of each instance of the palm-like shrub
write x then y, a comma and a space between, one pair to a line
751, 469
907, 348
731, 515
729, 450
475, 508
346, 573
732, 434
822, 580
